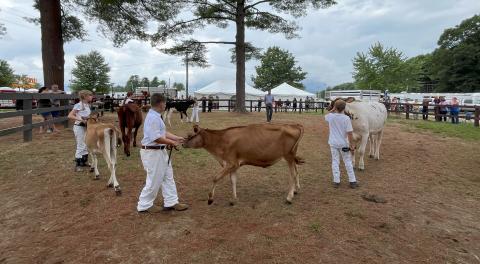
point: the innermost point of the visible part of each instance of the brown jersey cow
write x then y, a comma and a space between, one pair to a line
259, 145
103, 138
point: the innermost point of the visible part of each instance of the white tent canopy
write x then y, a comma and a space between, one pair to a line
285, 91
225, 89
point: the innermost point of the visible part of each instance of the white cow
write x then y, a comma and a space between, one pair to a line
368, 121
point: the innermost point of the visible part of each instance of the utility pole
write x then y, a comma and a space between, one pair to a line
186, 82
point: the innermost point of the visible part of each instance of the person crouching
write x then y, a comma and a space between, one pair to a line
156, 161
341, 143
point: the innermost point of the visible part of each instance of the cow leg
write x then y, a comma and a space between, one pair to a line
372, 146
297, 179
377, 147
128, 138
233, 178
169, 116
291, 181
95, 166
361, 152
226, 170
135, 137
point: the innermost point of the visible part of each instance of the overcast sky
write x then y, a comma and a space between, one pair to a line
329, 40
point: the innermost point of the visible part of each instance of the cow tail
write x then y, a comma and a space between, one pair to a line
117, 136
298, 160
110, 138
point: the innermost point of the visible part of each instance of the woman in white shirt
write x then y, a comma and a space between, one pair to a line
80, 112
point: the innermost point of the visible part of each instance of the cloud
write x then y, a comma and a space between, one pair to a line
330, 38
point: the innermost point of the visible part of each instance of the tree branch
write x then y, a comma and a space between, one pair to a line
254, 4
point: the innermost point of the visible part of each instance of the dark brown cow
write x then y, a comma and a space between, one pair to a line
259, 145
129, 117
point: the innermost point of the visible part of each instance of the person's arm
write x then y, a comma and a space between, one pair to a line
350, 141
174, 137
73, 115
166, 141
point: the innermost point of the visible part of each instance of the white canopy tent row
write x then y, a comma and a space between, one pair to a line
285, 91
225, 90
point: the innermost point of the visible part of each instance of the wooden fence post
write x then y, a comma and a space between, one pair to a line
477, 116
250, 106
407, 110
27, 120
228, 105
323, 107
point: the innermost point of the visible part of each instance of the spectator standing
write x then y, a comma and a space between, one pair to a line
269, 99
443, 109
454, 110
210, 103
294, 104
195, 112
259, 106
425, 109
47, 116
55, 103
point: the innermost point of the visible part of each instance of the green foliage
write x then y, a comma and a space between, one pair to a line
122, 20
132, 83
382, 68
145, 82
162, 82
72, 27
276, 67
154, 82
91, 72
178, 86
455, 65
195, 50
6, 74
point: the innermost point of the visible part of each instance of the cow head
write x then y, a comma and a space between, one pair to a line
195, 139
93, 118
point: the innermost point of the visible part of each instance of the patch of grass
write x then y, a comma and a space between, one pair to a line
316, 227
463, 131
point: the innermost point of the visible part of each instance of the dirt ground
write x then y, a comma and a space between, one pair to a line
430, 184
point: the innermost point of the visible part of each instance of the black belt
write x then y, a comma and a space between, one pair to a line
81, 124
153, 147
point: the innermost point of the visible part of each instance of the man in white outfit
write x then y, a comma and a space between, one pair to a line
156, 161
341, 143
195, 112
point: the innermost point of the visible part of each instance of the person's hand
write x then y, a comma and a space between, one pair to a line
180, 140
352, 150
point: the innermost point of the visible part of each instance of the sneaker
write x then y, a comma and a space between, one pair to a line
336, 185
152, 210
353, 185
177, 207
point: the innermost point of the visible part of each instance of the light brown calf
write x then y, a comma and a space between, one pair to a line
259, 145
103, 138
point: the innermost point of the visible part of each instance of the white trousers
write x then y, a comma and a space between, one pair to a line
347, 159
159, 174
195, 115
79, 132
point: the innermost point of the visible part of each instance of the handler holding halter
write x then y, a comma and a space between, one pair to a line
156, 161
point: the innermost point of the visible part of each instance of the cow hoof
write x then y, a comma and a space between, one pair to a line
361, 169
110, 185
210, 202
92, 169
233, 202
118, 191
295, 192
288, 201
370, 156
128, 154
97, 177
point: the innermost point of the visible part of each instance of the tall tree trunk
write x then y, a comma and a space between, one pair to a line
52, 42
240, 57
